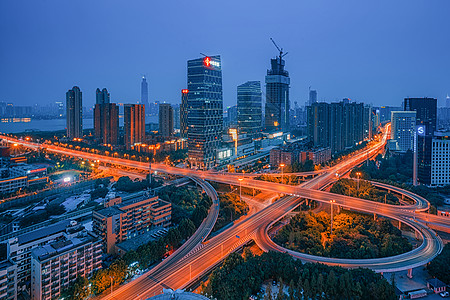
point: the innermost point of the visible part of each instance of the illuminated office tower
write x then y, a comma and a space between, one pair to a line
205, 111
184, 113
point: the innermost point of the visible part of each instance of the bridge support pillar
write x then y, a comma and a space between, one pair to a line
374, 217
403, 196
410, 274
399, 225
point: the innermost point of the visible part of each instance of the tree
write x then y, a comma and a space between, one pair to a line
77, 290
439, 267
268, 295
291, 290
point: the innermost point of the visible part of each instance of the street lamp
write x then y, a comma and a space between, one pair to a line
358, 174
240, 188
282, 173
332, 201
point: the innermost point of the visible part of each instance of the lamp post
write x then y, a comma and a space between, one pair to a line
331, 226
282, 172
358, 174
240, 188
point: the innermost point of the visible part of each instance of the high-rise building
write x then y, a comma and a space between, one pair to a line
106, 123
339, 125
249, 108
74, 115
134, 124
426, 117
165, 120
176, 116
312, 97
447, 101
426, 112
277, 96
403, 126
440, 162
205, 107
102, 97
184, 113
144, 94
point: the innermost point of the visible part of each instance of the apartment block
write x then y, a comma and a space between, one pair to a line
56, 265
127, 217
318, 155
8, 280
19, 248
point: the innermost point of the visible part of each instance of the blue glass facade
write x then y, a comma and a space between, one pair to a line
205, 107
249, 101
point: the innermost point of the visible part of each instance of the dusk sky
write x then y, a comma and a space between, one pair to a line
372, 51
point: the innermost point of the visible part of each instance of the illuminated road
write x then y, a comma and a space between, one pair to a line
199, 260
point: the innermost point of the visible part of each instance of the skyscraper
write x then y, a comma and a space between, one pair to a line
426, 116
74, 114
134, 124
403, 125
184, 113
277, 96
249, 101
144, 94
426, 111
106, 123
165, 120
447, 101
312, 97
102, 97
205, 107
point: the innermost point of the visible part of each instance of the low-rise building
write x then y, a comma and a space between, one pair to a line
8, 280
317, 155
20, 176
129, 217
56, 265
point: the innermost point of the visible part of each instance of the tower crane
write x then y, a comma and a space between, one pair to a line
279, 49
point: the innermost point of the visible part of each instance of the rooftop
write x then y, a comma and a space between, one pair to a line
58, 247
436, 283
43, 232
109, 211
135, 198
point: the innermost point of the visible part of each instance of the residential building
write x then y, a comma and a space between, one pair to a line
74, 113
144, 95
184, 114
249, 110
127, 217
440, 159
277, 97
385, 112
19, 248
403, 126
106, 123
205, 107
102, 97
8, 280
339, 125
317, 155
134, 124
57, 265
165, 120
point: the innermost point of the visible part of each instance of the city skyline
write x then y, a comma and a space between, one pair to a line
358, 58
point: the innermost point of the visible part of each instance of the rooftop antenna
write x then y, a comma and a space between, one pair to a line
279, 49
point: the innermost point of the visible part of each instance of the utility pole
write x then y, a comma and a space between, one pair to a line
331, 226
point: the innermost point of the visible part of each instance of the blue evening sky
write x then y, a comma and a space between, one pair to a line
373, 51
